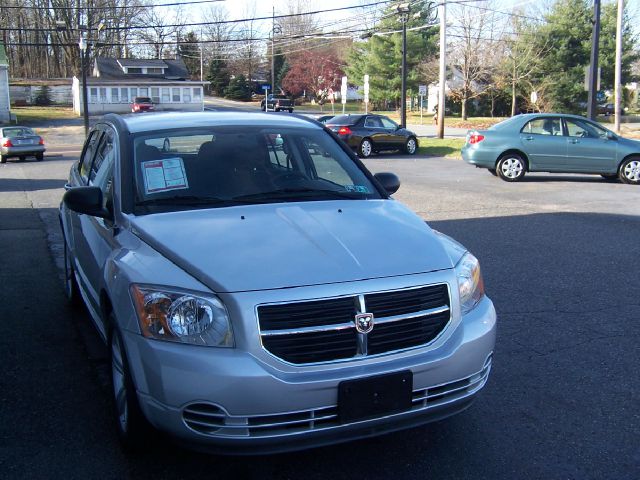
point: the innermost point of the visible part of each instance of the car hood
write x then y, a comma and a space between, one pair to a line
271, 246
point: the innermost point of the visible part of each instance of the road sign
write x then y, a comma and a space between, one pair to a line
366, 87
422, 90
343, 90
534, 97
266, 87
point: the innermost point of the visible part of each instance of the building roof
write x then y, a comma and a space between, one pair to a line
111, 69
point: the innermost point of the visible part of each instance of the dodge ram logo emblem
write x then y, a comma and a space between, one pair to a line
364, 322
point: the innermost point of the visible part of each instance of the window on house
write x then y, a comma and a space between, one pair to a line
155, 94
197, 93
143, 92
124, 95
133, 93
155, 70
175, 95
166, 98
115, 98
103, 95
93, 95
134, 70
186, 95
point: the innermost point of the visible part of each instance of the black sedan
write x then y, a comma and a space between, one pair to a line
371, 133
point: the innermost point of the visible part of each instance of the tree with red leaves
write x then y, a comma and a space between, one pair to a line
314, 73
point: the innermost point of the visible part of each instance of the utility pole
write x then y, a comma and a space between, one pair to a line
593, 70
443, 67
201, 56
403, 9
618, 74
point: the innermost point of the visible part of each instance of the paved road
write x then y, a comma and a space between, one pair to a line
559, 255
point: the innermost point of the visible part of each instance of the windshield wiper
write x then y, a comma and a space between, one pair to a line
298, 191
183, 200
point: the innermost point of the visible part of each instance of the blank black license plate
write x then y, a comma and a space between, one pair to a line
374, 396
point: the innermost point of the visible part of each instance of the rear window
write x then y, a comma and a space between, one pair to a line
345, 120
17, 132
505, 123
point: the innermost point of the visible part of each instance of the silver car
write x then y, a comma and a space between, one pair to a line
20, 142
259, 289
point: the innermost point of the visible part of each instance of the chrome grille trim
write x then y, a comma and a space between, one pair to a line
293, 331
325, 418
409, 316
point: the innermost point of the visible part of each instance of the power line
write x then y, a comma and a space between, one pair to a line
113, 7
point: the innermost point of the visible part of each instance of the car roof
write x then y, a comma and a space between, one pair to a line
527, 116
174, 120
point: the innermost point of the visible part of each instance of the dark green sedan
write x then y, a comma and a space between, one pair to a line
551, 142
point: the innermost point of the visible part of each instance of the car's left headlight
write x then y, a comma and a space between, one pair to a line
470, 283
186, 317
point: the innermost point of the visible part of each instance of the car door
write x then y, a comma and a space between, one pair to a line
94, 240
375, 131
589, 150
394, 140
543, 142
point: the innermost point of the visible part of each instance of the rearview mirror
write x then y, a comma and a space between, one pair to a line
389, 181
87, 200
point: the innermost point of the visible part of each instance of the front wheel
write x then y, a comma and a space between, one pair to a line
511, 168
630, 171
366, 148
39, 156
411, 147
131, 424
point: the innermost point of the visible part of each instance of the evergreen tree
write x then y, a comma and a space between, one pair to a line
190, 53
381, 57
218, 76
238, 89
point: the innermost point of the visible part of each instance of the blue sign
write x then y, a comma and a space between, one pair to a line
266, 87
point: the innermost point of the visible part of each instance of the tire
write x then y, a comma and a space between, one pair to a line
263, 108
493, 172
629, 171
71, 289
134, 431
411, 147
3, 159
39, 156
365, 149
22, 158
511, 167
291, 110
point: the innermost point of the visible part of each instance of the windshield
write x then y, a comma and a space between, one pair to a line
198, 168
345, 120
142, 100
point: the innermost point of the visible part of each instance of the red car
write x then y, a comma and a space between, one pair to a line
142, 104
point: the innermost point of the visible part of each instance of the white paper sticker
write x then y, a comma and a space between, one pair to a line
164, 175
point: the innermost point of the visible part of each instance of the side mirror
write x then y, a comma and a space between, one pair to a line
389, 181
87, 200
611, 136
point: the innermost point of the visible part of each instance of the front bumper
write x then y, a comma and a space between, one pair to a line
245, 401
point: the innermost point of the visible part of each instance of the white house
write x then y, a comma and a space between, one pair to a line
115, 82
5, 115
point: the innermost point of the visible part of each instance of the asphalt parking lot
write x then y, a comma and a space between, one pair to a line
559, 256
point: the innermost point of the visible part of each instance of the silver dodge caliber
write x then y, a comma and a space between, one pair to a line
260, 291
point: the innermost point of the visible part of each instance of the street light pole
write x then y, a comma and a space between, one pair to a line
593, 70
84, 49
404, 9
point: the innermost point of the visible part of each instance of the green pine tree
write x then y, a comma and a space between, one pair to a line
238, 89
219, 76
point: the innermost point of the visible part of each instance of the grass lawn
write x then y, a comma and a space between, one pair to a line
27, 115
446, 147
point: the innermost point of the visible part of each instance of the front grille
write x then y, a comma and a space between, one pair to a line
324, 330
213, 421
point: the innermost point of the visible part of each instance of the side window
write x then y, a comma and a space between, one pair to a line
87, 155
101, 173
577, 128
325, 165
387, 123
373, 122
543, 126
279, 154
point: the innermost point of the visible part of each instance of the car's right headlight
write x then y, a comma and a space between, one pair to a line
186, 317
470, 283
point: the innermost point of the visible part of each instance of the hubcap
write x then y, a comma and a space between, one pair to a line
632, 171
119, 387
366, 148
511, 168
411, 145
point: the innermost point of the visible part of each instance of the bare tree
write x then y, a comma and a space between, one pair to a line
160, 30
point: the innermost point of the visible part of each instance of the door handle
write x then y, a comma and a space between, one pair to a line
574, 140
528, 138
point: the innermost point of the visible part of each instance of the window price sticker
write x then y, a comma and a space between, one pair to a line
164, 175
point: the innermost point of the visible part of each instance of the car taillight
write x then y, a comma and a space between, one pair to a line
344, 131
7, 143
41, 142
475, 138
